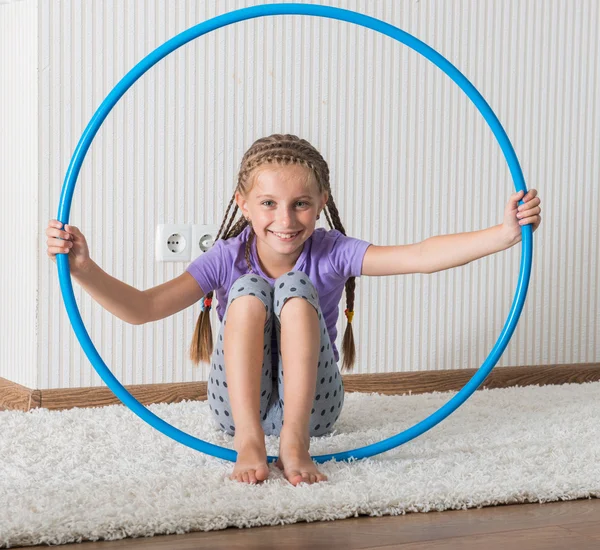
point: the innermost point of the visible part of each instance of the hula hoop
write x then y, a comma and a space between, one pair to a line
151, 59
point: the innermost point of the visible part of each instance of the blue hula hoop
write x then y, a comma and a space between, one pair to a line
221, 21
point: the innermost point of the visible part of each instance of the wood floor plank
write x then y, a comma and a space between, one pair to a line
588, 528
575, 524
545, 538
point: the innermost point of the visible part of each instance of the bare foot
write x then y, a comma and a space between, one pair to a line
251, 464
295, 461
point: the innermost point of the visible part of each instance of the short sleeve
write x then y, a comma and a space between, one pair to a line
347, 254
208, 269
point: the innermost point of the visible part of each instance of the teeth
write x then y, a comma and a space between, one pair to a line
284, 236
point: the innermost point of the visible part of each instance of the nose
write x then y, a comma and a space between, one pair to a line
285, 217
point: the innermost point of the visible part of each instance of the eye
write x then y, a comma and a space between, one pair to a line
302, 204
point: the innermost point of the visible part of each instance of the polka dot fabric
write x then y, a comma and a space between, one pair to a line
329, 391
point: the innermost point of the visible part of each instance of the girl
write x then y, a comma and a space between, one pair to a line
279, 282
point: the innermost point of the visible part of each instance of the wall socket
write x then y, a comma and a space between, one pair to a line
173, 242
183, 242
203, 237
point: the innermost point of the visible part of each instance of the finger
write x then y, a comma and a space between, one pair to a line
516, 197
54, 232
72, 229
531, 194
528, 213
52, 226
59, 243
530, 203
74, 232
53, 250
527, 221
63, 235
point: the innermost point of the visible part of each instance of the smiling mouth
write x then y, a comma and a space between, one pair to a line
285, 236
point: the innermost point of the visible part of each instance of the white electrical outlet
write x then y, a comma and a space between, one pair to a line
173, 242
203, 237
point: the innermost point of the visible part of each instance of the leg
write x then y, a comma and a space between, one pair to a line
309, 371
242, 390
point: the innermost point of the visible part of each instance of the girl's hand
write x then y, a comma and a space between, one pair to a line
68, 241
516, 216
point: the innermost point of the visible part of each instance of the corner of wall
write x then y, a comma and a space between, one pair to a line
19, 162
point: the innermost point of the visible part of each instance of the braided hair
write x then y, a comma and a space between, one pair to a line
279, 149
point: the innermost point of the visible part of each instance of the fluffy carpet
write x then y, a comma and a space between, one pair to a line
102, 473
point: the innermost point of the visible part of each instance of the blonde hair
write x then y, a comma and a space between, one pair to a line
280, 150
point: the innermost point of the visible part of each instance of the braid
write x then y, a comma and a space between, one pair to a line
247, 251
348, 342
202, 342
278, 149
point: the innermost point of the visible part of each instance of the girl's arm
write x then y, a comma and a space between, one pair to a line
171, 297
446, 251
433, 254
136, 306
126, 302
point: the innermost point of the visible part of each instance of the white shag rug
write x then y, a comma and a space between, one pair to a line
104, 474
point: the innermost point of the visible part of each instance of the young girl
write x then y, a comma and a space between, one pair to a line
279, 282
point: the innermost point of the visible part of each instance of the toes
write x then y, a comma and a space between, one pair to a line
262, 474
252, 476
303, 477
295, 477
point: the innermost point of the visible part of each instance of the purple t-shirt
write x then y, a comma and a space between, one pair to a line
328, 257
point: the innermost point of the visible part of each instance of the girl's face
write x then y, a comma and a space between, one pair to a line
282, 205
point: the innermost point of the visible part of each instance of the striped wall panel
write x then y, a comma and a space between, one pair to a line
410, 157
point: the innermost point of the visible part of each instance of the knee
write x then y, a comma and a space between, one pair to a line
250, 294
294, 284
247, 306
250, 285
297, 279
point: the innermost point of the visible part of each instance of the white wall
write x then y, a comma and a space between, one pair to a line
19, 191
410, 157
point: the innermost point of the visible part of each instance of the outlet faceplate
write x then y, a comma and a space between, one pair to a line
203, 237
173, 243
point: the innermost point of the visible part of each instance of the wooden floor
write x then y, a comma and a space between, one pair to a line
558, 525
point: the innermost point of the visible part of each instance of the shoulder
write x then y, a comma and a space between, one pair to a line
332, 238
325, 237
344, 254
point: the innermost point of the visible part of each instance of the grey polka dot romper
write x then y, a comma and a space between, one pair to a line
329, 391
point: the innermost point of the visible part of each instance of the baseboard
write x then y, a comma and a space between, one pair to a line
16, 397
